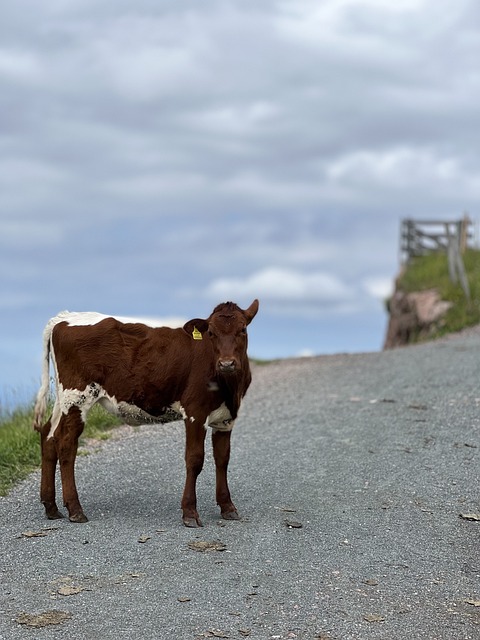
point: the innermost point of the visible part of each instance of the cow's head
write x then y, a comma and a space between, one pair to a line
226, 329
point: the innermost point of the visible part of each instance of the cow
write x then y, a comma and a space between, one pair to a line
144, 374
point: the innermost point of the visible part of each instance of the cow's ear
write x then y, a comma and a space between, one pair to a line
251, 312
196, 328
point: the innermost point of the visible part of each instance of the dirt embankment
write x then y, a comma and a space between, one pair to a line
413, 317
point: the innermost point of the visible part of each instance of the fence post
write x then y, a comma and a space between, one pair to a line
452, 243
456, 267
462, 275
463, 232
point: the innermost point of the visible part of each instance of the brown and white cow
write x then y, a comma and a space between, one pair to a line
198, 373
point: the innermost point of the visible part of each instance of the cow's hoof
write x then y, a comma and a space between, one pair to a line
55, 515
51, 511
192, 523
78, 517
230, 515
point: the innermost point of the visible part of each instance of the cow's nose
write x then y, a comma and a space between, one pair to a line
226, 366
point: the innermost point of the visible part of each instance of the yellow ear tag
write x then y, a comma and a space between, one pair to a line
196, 334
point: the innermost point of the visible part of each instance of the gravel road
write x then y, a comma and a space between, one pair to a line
357, 479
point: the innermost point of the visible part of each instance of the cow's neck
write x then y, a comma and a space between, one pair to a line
232, 388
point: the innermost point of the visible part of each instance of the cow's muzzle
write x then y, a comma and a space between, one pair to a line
227, 366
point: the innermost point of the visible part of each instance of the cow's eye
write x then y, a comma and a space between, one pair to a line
210, 333
244, 331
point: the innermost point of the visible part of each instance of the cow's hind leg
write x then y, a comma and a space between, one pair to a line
221, 454
49, 465
194, 457
66, 437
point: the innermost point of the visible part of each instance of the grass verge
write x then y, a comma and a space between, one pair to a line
20, 444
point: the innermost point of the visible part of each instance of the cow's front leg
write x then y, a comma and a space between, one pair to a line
194, 456
66, 435
221, 454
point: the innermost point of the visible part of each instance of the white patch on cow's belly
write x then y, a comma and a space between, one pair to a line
93, 393
134, 416
220, 419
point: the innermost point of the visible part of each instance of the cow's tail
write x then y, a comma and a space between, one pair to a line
44, 392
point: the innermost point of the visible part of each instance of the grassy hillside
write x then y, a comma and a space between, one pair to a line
431, 272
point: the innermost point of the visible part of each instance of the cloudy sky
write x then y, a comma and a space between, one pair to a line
157, 158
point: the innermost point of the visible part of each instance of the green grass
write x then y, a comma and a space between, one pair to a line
431, 272
20, 444
19, 448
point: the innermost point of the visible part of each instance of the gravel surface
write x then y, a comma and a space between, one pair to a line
357, 477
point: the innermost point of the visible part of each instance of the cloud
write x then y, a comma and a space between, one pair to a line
367, 26
281, 286
20, 66
379, 287
397, 168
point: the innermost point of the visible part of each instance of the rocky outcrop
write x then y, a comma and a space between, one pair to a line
414, 316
